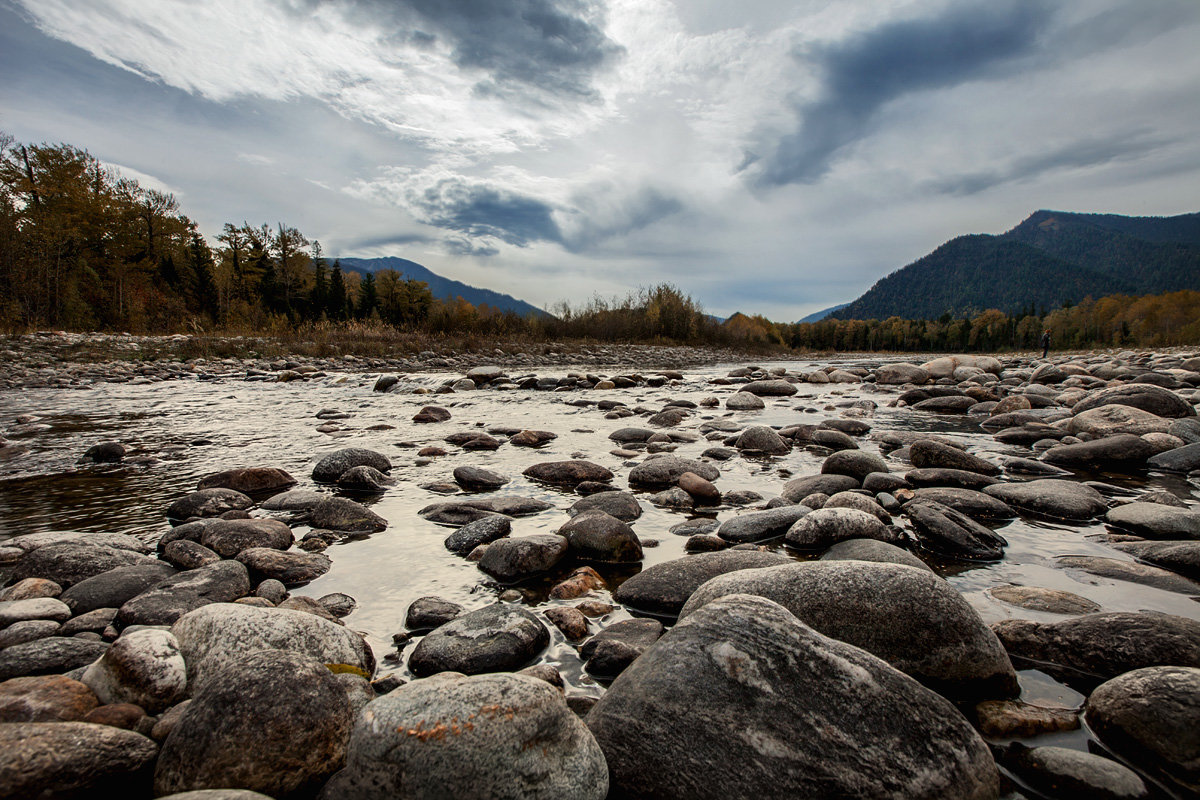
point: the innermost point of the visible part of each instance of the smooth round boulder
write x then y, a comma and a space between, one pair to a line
797, 489
341, 514
427, 613
744, 401
229, 537
144, 667
249, 480
331, 467
214, 639
69, 563
824, 527
495, 638
72, 759
167, 601
976, 505
106, 453
597, 536
1177, 459
857, 464
663, 471
711, 693
1155, 521
289, 568
1109, 420
901, 372
486, 529
1050, 497
478, 479
28, 631
496, 736
1151, 717
662, 589
609, 652
872, 550
909, 617
113, 588
770, 388
761, 525
1179, 557
1147, 397
277, 722
762, 439
622, 505
568, 473
207, 503
517, 558
1123, 449
1061, 772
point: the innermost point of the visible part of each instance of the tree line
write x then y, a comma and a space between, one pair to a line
83, 247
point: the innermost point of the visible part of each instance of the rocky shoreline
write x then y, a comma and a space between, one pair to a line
807, 645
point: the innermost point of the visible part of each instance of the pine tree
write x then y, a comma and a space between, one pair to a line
368, 298
336, 308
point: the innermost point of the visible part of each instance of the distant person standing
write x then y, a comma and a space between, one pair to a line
1046, 343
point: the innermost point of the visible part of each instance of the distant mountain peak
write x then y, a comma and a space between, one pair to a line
442, 288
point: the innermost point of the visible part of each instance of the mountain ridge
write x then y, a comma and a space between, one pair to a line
441, 287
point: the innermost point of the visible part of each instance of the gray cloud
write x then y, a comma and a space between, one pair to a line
604, 214
1090, 152
481, 211
864, 73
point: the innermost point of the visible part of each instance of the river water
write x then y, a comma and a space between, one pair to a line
180, 430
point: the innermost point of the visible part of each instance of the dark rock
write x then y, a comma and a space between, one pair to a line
704, 492
597, 536
909, 617
857, 464
761, 439
669, 417
568, 473
1155, 521
427, 613
332, 466
761, 525
1051, 497
609, 652
495, 638
1095, 647
340, 514
770, 388
69, 563
828, 526
514, 559
1180, 557
1131, 572
45, 698
800, 488
872, 550
1122, 449
571, 621
184, 554
665, 723
290, 568
112, 588
484, 736
834, 440
943, 530
72, 759
249, 481
532, 438
622, 505
106, 453
663, 471
295, 500
486, 529
975, 505
278, 723
1180, 459
1147, 397
169, 600
877, 482
1152, 718
929, 454
662, 589
744, 401
946, 405
208, 503
51, 655
467, 511
364, 480
29, 630
941, 476
478, 479
227, 538
1060, 772
431, 414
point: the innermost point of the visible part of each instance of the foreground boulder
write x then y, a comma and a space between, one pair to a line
1152, 718
215, 639
665, 471
743, 682
143, 667
568, 473
909, 617
948, 532
67, 759
597, 536
1051, 497
495, 638
222, 582
276, 722
663, 588
68, 563
518, 558
1155, 399
1156, 521
1095, 647
481, 736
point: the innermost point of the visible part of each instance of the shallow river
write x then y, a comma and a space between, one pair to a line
182, 430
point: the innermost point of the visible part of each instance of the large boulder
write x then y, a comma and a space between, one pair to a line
222, 582
759, 525
495, 736
665, 471
207, 503
901, 372
825, 527
144, 667
276, 722
1051, 497
909, 617
331, 467
1155, 520
597, 536
662, 589
857, 464
70, 562
229, 537
112, 588
520, 557
976, 505
613, 649
73, 759
1178, 459
1151, 717
215, 639
947, 532
1123, 449
929, 454
568, 473
872, 550
1147, 397
1112, 419
249, 480
744, 401
741, 699
622, 505
1095, 647
495, 638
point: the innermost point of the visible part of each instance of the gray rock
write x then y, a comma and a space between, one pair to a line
929, 454
799, 488
1060, 772
568, 473
664, 471
1152, 718
662, 589
185, 554
950, 404
631, 435
597, 536
51, 655
1132, 572
622, 505
770, 388
1180, 459
467, 511
860, 502
120, 541
761, 525
943, 530
251, 481
669, 417
208, 503
1015, 465
1051, 497
143, 667
496, 638
1122, 449
743, 682
364, 480
72, 759
290, 568
482, 531
834, 440
872, 550
878, 482
215, 639
517, 558
478, 479
33, 608
609, 652
1110, 420
227, 538
28, 631
169, 600
1095, 647
69, 563
858, 464
942, 476
899, 373
976, 505
1186, 428
106, 453
427, 613
1036, 598
1147, 397
331, 467
340, 514
295, 500
1155, 521
909, 617
495, 736
1180, 557
744, 401
824, 527
762, 439
276, 723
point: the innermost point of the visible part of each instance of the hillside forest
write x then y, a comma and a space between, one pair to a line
84, 248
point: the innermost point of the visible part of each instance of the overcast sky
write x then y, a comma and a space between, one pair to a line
769, 156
